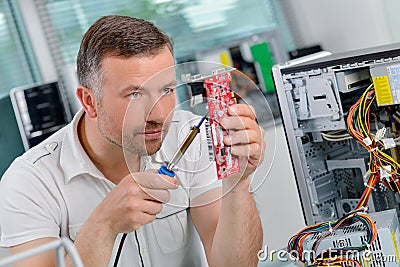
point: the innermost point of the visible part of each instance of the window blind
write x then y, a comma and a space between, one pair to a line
194, 25
17, 62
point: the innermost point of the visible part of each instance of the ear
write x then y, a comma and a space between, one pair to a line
88, 100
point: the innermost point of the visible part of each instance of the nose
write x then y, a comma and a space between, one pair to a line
157, 111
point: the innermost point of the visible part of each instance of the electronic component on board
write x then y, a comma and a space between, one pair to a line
219, 97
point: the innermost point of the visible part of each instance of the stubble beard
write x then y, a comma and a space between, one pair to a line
137, 144
133, 142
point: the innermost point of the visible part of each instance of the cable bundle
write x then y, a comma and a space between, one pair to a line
382, 169
296, 243
335, 137
359, 126
336, 262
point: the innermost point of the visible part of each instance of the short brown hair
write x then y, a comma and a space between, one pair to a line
120, 36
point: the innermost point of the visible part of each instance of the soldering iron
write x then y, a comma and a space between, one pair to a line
167, 168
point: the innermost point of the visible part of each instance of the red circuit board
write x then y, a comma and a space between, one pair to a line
219, 98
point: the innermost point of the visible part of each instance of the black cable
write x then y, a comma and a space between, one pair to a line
140, 254
121, 244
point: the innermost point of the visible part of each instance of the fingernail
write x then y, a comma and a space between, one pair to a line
227, 140
232, 110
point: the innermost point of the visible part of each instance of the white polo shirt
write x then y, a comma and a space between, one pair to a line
51, 190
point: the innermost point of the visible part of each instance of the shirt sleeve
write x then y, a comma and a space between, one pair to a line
28, 208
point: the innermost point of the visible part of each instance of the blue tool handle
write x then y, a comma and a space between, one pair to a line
165, 171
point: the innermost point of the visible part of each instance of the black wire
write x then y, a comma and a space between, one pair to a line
169, 215
121, 244
140, 254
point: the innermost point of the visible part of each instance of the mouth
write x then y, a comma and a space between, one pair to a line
153, 133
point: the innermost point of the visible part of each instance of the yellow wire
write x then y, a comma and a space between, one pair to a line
333, 262
363, 110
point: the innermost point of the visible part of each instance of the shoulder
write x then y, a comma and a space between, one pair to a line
37, 160
30, 181
46, 150
33, 178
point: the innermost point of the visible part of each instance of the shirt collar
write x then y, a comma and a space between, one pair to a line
73, 158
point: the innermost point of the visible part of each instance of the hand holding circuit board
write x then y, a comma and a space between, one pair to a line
245, 139
237, 140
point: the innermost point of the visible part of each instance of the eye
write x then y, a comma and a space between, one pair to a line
167, 91
134, 95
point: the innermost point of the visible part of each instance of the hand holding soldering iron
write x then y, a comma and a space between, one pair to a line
135, 201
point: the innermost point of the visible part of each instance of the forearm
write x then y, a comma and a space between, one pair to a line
94, 244
238, 236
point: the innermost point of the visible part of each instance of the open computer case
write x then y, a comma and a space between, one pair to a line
315, 95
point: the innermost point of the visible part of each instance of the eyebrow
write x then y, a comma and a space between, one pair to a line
135, 87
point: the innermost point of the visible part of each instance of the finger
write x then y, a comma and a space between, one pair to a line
160, 195
143, 218
155, 181
243, 137
152, 207
242, 110
238, 123
249, 150
169, 178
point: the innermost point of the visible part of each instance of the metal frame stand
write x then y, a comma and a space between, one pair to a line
60, 245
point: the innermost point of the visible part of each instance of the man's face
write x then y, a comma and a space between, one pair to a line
137, 101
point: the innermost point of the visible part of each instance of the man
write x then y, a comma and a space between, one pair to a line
95, 179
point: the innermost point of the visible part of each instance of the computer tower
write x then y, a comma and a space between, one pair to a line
315, 94
40, 110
